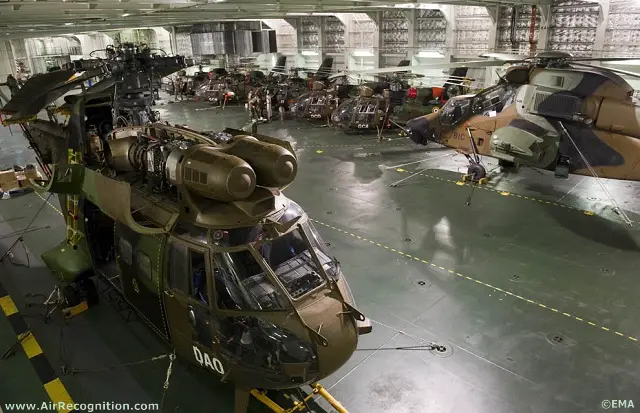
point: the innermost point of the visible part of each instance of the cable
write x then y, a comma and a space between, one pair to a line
6, 254
115, 366
595, 175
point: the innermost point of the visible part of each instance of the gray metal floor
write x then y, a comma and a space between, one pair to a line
532, 287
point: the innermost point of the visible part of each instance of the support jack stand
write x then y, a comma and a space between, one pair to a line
58, 301
299, 406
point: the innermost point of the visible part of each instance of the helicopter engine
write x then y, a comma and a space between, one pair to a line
227, 172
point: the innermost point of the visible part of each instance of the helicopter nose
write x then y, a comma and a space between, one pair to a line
338, 328
419, 130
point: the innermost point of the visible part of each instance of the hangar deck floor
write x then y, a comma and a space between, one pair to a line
532, 287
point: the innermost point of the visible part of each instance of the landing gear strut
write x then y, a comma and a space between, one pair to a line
476, 173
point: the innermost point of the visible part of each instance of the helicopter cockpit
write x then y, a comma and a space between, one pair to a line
253, 272
488, 102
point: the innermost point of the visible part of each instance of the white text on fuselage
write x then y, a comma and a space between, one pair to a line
205, 360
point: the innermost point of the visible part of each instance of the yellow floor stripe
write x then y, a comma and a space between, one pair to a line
8, 306
58, 394
30, 345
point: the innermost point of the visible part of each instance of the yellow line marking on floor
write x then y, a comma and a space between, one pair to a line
30, 345
501, 192
7, 306
49, 203
56, 391
500, 290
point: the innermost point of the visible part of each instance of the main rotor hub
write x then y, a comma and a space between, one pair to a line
552, 59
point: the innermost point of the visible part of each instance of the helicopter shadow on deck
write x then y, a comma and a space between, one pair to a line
608, 230
368, 162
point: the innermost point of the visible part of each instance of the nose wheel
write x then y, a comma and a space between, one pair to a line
476, 173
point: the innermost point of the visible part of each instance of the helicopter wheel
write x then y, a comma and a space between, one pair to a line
476, 172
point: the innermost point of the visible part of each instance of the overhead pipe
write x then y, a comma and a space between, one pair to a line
532, 31
514, 22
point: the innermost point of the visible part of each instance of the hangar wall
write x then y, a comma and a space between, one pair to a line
430, 33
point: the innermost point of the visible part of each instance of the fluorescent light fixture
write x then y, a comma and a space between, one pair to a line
309, 53
69, 24
297, 14
434, 55
417, 6
323, 14
126, 14
630, 62
363, 53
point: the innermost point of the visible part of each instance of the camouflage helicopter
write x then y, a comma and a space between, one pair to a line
551, 111
391, 101
193, 232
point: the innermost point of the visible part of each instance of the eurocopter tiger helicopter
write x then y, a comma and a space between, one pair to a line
192, 231
551, 111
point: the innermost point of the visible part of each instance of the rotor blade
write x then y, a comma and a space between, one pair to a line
600, 59
619, 71
503, 56
28, 106
477, 63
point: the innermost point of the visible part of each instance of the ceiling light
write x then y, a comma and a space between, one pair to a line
404, 5
309, 53
323, 14
126, 15
69, 24
297, 14
363, 53
435, 55
630, 62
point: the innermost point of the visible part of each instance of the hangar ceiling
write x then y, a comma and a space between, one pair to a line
22, 18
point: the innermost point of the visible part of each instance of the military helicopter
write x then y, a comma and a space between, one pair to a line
282, 94
551, 111
391, 101
193, 232
224, 87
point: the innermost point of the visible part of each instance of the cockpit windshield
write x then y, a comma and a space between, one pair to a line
293, 264
455, 111
489, 102
493, 100
242, 283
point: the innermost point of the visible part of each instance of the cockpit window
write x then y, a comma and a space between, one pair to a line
455, 111
242, 284
329, 264
344, 111
292, 262
493, 100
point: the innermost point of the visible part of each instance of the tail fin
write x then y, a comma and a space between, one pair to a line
458, 73
279, 66
324, 71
